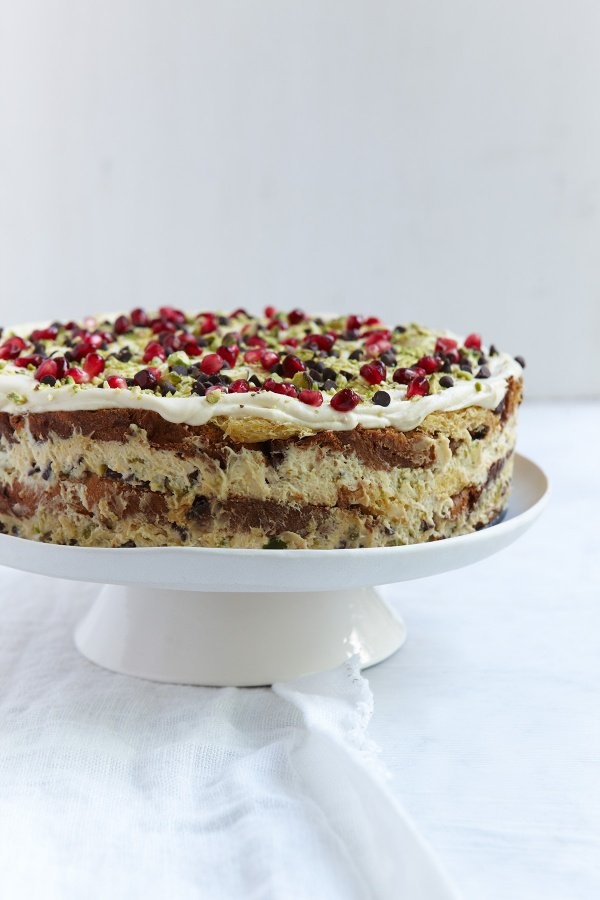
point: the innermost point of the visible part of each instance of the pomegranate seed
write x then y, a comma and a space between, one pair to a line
445, 345
154, 350
280, 387
473, 341
170, 314
47, 369
169, 341
319, 341
377, 348
311, 398
122, 324
372, 320
80, 350
229, 354
71, 326
211, 364
291, 365
270, 311
145, 379
11, 348
139, 317
269, 359
61, 366
239, 386
155, 371
191, 347
238, 312
44, 334
93, 365
96, 340
373, 373
373, 337
160, 326
255, 341
78, 375
116, 381
405, 376
345, 400
275, 324
428, 363
418, 387
207, 323
290, 342
353, 322
253, 356
296, 316
23, 361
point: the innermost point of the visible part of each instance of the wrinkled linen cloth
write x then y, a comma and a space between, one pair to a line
116, 787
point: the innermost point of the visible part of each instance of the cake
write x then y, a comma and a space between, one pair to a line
284, 430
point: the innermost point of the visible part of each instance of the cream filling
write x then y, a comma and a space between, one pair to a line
19, 394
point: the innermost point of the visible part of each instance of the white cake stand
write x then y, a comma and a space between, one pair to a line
250, 617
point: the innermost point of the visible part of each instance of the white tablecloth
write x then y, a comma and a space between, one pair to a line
488, 718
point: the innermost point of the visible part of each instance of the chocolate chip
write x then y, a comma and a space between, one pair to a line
350, 335
180, 370
400, 329
48, 379
381, 398
482, 361
167, 387
520, 360
316, 375
465, 365
484, 372
255, 380
493, 351
110, 473
199, 388
124, 355
446, 381
329, 385
127, 545
328, 372
348, 375
47, 472
200, 508
388, 358
356, 354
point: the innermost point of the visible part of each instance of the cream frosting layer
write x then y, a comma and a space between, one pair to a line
20, 394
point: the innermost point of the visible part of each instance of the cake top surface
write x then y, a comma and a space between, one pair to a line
299, 372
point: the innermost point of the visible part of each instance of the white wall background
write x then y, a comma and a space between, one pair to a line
424, 159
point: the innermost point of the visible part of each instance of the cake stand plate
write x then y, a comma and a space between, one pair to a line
248, 617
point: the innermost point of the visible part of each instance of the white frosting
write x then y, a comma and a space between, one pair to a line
401, 414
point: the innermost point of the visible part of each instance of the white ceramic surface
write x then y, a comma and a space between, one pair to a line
257, 615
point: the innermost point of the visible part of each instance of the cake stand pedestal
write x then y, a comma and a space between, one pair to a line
250, 617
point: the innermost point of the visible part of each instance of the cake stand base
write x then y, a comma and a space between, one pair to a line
239, 639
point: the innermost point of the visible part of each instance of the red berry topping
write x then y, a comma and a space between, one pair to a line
255, 341
373, 337
122, 324
78, 375
253, 356
405, 376
47, 369
170, 314
296, 316
319, 341
269, 359
270, 311
290, 342
291, 365
429, 363
145, 379
372, 372
23, 361
139, 317
473, 341
229, 354
44, 334
345, 400
191, 347
353, 322
154, 350
280, 387
11, 348
372, 320
93, 365
96, 340
116, 381
275, 324
160, 326
211, 364
239, 386
311, 398
155, 371
61, 366
418, 387
207, 323
445, 345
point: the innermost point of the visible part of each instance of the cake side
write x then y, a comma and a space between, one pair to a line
125, 477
